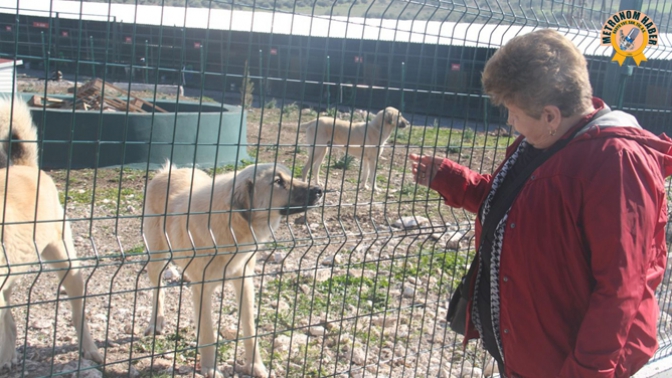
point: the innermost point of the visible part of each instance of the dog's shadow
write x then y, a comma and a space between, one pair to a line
63, 360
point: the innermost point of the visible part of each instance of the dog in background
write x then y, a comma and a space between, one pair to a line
363, 140
210, 228
29, 196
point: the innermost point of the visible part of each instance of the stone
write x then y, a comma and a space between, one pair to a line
278, 257
408, 291
454, 240
128, 329
332, 260
317, 331
473, 372
86, 369
358, 356
436, 236
41, 324
381, 321
410, 222
229, 333
133, 372
281, 343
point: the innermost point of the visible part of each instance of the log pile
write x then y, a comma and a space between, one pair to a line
91, 96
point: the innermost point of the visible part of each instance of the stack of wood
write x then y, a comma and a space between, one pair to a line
91, 96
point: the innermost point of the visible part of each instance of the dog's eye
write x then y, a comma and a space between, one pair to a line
279, 181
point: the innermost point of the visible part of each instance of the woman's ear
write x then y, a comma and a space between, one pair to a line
551, 116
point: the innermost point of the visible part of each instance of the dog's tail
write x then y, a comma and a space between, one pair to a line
16, 126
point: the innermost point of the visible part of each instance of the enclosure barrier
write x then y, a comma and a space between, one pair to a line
355, 283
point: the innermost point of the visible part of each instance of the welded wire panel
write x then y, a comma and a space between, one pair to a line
337, 279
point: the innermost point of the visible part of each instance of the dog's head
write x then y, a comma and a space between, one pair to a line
393, 117
269, 190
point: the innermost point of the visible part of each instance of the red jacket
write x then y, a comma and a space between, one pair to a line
583, 252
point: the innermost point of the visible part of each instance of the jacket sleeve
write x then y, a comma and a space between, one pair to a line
460, 186
621, 208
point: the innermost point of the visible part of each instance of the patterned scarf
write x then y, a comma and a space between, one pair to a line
496, 253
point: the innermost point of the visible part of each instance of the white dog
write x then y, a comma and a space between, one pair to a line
33, 225
363, 140
211, 227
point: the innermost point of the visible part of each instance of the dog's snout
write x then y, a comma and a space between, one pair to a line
316, 191
402, 124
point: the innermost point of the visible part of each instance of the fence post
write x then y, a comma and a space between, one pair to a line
93, 57
261, 80
328, 89
145, 58
403, 80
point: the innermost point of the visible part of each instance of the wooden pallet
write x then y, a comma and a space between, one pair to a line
91, 96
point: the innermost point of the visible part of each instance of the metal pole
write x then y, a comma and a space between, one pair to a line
403, 80
44, 46
93, 57
261, 79
328, 91
145, 58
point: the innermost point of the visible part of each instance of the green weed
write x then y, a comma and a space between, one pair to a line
344, 162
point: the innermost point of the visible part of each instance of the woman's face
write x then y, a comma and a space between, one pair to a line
535, 130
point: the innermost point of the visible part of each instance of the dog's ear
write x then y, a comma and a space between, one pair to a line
389, 118
242, 199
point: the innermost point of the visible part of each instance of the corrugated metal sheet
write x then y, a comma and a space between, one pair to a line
414, 31
7, 81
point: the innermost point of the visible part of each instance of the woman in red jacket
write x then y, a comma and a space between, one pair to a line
568, 288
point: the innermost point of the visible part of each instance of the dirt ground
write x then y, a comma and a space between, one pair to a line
341, 292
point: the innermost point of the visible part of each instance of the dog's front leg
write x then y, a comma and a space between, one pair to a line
158, 319
7, 329
364, 175
71, 276
245, 295
202, 299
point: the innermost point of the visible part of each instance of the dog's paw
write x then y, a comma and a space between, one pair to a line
211, 373
8, 357
155, 328
93, 355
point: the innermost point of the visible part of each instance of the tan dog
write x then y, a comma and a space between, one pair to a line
214, 243
363, 140
28, 196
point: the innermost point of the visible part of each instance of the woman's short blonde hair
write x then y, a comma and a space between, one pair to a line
539, 69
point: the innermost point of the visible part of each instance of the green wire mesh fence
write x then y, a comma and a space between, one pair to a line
358, 285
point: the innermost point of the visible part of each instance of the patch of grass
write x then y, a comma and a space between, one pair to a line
85, 196
229, 167
170, 343
348, 290
332, 112
468, 134
290, 109
427, 261
253, 151
344, 162
417, 192
137, 250
401, 137
270, 104
297, 170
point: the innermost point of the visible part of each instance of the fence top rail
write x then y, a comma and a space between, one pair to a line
467, 34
